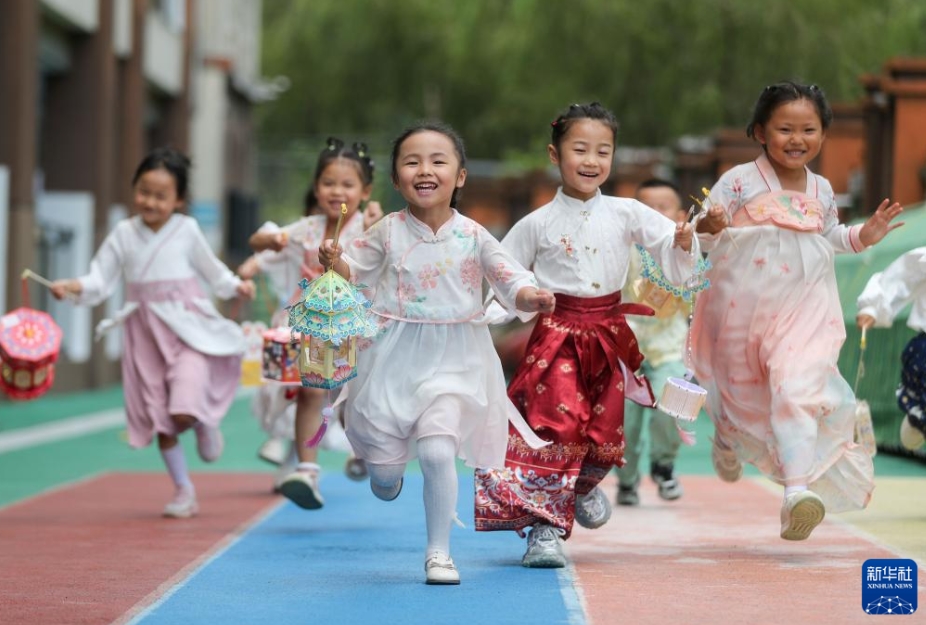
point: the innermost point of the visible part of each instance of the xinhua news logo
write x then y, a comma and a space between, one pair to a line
889, 586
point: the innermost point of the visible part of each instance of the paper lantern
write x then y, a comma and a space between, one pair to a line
30, 342
280, 357
330, 316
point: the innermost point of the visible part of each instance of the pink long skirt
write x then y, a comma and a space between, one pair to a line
163, 376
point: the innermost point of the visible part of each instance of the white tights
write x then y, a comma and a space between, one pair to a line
437, 457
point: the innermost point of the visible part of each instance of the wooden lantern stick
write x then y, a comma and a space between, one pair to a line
28, 273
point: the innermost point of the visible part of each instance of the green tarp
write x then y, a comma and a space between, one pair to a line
882, 356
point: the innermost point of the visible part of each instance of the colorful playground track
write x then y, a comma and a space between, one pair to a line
81, 541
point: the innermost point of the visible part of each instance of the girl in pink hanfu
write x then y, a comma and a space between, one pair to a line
431, 384
767, 334
343, 175
182, 358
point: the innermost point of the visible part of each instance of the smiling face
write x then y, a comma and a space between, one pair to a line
156, 198
338, 183
427, 171
584, 157
792, 137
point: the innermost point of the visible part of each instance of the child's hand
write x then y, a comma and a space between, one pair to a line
248, 268
328, 254
278, 241
532, 299
864, 321
684, 234
64, 288
372, 213
246, 289
713, 221
879, 224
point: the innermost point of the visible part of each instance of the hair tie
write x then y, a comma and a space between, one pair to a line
334, 144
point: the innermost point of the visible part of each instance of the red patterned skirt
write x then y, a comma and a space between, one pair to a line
570, 388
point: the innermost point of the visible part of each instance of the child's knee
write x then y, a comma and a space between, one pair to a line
183, 422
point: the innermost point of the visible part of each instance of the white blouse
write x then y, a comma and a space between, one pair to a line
888, 292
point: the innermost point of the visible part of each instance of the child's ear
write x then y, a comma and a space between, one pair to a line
553, 154
367, 191
461, 178
759, 132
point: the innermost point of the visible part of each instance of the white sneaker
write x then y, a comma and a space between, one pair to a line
274, 451
356, 469
726, 464
544, 548
183, 505
593, 510
439, 569
910, 437
301, 487
209, 442
800, 513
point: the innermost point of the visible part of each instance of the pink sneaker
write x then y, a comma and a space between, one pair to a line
183, 505
209, 442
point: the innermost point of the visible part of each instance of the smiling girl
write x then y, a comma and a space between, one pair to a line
182, 358
767, 334
431, 384
580, 360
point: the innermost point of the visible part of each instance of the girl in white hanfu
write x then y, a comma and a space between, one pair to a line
182, 359
887, 293
766, 335
431, 384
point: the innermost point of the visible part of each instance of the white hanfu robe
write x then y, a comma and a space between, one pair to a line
181, 355
432, 369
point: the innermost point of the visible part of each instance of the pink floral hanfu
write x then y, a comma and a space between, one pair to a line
766, 335
432, 369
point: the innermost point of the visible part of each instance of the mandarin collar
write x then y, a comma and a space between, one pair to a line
423, 231
578, 205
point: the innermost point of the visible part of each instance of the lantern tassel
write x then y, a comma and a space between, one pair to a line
687, 437
327, 413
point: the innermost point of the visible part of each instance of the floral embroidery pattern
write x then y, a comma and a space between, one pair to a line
566, 242
428, 277
471, 274
501, 273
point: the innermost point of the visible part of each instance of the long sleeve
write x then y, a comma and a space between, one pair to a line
844, 239
366, 254
105, 272
656, 233
888, 292
221, 279
506, 275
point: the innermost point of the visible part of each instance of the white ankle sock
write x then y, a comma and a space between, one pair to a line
437, 457
308, 466
790, 490
175, 460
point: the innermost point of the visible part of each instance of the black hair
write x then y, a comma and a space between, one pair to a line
593, 110
359, 153
783, 92
659, 183
173, 162
433, 126
309, 202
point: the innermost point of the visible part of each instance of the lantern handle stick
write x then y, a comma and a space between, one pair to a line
28, 273
337, 228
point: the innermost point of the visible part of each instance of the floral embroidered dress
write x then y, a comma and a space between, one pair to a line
580, 362
766, 335
272, 404
432, 369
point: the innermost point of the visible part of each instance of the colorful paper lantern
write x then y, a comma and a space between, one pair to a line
30, 342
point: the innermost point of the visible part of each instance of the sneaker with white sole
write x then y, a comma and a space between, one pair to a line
356, 469
801, 512
209, 442
274, 451
726, 464
663, 473
183, 505
387, 493
593, 510
301, 487
440, 570
544, 548
910, 435
627, 494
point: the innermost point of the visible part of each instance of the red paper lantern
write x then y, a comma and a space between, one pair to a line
30, 341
